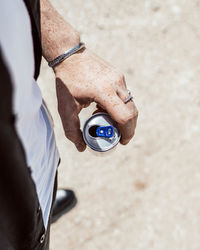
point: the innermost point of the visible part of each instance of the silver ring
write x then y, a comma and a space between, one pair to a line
129, 98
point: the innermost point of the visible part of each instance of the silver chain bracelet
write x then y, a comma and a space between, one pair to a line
66, 54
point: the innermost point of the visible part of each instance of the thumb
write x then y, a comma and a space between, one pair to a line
74, 134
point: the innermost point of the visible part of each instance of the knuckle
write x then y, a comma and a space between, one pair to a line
135, 113
128, 117
121, 76
122, 121
133, 110
120, 79
125, 119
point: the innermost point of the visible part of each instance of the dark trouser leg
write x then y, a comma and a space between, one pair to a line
46, 244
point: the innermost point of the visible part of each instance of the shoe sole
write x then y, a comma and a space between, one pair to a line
66, 210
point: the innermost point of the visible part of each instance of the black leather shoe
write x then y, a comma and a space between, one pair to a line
65, 200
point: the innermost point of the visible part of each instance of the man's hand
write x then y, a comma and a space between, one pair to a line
84, 78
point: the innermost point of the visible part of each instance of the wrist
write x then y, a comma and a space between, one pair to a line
58, 46
71, 63
66, 54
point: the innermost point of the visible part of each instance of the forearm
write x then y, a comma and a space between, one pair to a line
82, 79
57, 35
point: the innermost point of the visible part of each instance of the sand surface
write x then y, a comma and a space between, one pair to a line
144, 196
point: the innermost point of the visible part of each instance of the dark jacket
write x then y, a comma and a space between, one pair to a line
21, 224
33, 7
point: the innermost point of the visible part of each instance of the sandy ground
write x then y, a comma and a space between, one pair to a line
144, 196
